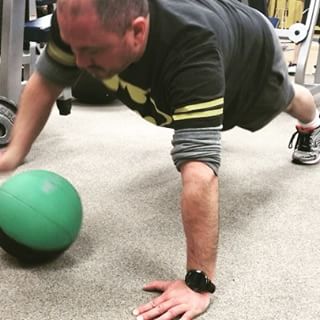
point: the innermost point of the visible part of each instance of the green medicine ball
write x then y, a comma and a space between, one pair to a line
40, 215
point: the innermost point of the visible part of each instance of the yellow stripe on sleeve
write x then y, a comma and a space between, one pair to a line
203, 114
201, 106
60, 56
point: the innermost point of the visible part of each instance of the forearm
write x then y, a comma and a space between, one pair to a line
33, 111
199, 205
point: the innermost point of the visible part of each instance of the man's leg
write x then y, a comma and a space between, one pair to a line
303, 108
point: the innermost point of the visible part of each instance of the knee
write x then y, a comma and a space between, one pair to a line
302, 98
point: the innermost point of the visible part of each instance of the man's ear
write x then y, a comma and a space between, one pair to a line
140, 29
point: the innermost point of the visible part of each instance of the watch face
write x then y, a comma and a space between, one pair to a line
196, 280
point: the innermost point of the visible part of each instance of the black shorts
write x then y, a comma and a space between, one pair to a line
276, 95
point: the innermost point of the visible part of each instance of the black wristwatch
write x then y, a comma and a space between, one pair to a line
198, 281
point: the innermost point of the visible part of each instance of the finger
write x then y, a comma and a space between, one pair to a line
173, 313
157, 286
149, 306
189, 315
158, 310
144, 308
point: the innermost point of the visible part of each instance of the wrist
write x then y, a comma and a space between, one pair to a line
207, 268
10, 158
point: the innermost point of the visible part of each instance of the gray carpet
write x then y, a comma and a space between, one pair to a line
269, 256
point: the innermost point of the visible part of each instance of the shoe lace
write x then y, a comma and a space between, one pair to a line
303, 142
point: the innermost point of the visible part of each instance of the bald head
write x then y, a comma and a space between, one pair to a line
115, 15
75, 7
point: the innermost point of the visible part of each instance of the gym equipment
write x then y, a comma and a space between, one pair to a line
13, 57
13, 15
8, 111
303, 34
89, 90
40, 215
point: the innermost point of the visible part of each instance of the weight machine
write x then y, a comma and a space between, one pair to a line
303, 34
14, 33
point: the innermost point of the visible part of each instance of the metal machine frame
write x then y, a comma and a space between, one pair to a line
304, 34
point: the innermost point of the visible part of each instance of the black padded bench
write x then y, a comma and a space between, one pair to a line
38, 30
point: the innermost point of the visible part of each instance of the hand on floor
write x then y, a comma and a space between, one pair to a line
8, 162
177, 299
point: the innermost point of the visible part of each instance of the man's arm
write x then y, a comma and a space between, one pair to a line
199, 205
34, 109
196, 154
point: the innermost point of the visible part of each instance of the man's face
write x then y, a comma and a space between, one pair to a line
97, 50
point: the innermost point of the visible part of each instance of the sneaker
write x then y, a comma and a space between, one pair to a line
307, 148
292, 68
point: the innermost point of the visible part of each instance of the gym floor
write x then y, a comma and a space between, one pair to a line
269, 256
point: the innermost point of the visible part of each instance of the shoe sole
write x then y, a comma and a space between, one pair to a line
311, 162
